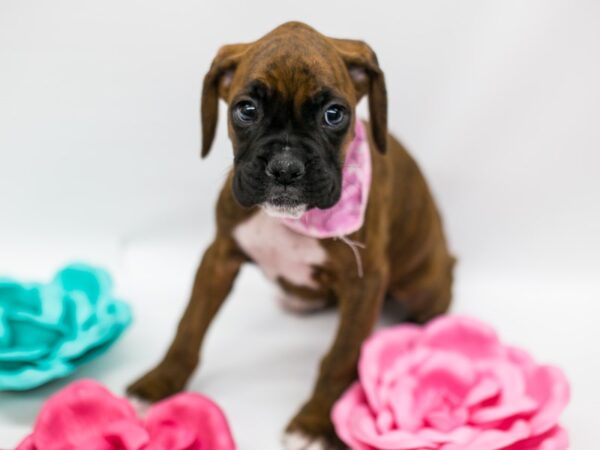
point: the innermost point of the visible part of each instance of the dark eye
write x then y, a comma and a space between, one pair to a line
245, 112
334, 115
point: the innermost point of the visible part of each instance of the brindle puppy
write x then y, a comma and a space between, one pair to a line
292, 96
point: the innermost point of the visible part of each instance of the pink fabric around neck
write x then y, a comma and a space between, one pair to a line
348, 214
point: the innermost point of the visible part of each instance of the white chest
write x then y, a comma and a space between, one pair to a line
279, 251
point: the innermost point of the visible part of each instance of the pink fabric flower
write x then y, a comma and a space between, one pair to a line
85, 415
451, 385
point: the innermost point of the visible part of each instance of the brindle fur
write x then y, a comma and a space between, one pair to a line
405, 256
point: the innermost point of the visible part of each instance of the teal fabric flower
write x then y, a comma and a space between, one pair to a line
48, 330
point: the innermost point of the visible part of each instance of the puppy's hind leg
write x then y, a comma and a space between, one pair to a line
426, 292
302, 300
296, 304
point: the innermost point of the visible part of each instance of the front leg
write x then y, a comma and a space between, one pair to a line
360, 301
215, 277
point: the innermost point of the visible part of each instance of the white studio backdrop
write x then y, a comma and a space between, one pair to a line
499, 101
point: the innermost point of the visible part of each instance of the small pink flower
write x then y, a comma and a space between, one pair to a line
85, 415
451, 385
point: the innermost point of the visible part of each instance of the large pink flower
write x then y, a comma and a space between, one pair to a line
85, 415
451, 385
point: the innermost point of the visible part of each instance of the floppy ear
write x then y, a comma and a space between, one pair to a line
216, 85
368, 79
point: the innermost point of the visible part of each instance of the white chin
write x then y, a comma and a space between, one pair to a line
284, 212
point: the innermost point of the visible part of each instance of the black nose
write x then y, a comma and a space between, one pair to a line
285, 169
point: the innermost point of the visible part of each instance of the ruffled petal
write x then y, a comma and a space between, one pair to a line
504, 411
341, 416
463, 335
126, 435
79, 415
520, 358
510, 378
486, 389
363, 428
191, 415
493, 439
169, 436
447, 420
447, 372
402, 402
554, 439
550, 388
399, 372
458, 436
380, 352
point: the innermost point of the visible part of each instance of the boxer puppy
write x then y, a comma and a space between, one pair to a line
292, 96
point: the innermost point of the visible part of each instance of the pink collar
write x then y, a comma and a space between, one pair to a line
348, 214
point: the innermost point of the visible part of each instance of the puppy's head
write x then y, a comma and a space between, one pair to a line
291, 99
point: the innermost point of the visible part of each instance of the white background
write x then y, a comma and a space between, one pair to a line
99, 141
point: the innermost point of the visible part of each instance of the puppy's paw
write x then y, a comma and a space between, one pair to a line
296, 440
140, 406
157, 384
311, 432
